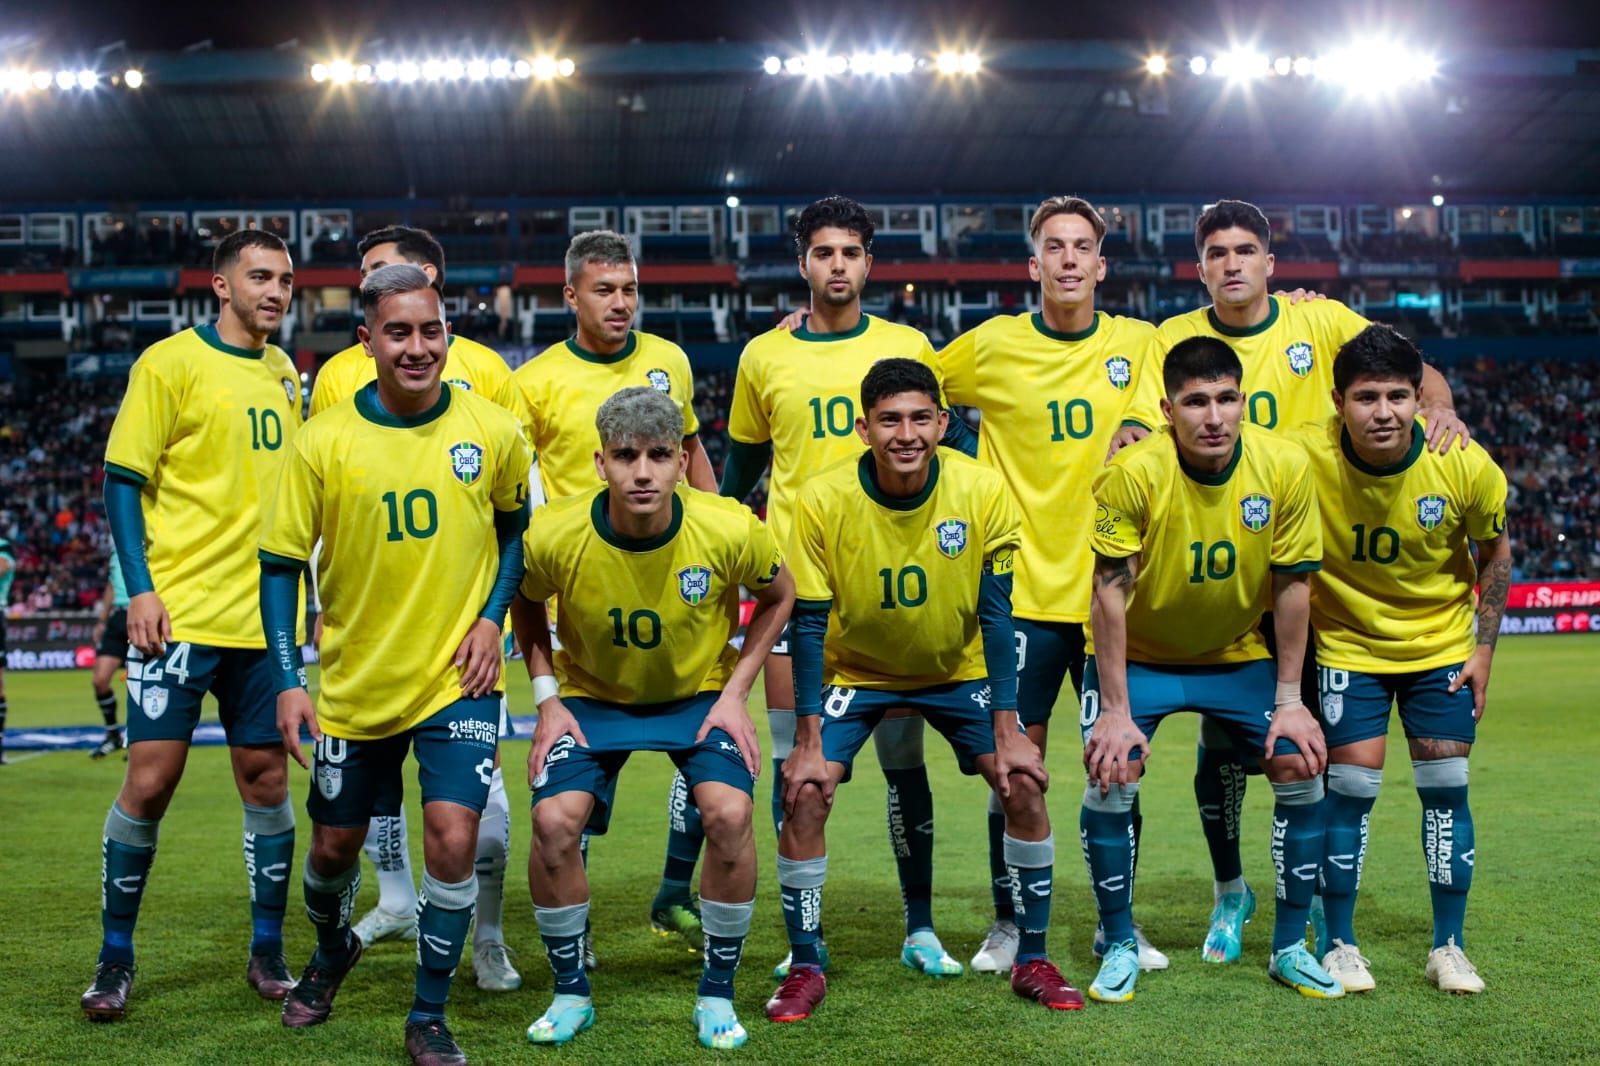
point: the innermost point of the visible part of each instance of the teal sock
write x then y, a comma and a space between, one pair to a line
999, 880
800, 886
1030, 864
685, 835
330, 901
1106, 824
1298, 839
443, 918
562, 930
1219, 783
1345, 847
1448, 843
908, 805
128, 848
726, 925
268, 858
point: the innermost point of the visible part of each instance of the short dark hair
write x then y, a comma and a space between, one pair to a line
890, 377
1377, 352
838, 211
1199, 358
415, 245
392, 280
231, 247
1065, 205
1226, 214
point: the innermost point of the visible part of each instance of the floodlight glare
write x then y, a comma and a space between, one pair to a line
432, 70
1156, 65
478, 70
522, 70
860, 63
1282, 66
970, 63
838, 65
500, 69
544, 67
566, 67
1303, 66
1241, 64
772, 64
407, 71
947, 63
454, 69
340, 72
733, 201
65, 79
1198, 65
902, 63
1438, 199
364, 74
88, 79
387, 71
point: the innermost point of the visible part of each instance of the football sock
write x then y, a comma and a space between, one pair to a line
562, 930
387, 847
800, 886
329, 903
1447, 842
725, 925
128, 849
1352, 790
999, 880
442, 923
685, 835
108, 708
494, 842
1298, 836
908, 805
1219, 783
781, 723
268, 858
1030, 864
1107, 828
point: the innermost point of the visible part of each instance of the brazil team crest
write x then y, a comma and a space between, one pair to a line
1430, 511
952, 537
659, 380
466, 462
1119, 372
1255, 511
1301, 358
694, 584
288, 389
458, 383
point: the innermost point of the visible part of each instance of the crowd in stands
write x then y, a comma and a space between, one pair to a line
1541, 421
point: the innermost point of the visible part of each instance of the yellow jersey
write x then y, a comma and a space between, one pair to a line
1395, 591
563, 386
205, 427
1208, 544
404, 507
1287, 358
1051, 402
800, 389
646, 621
902, 576
469, 365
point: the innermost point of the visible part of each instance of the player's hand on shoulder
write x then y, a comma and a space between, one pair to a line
1107, 754
479, 658
555, 721
794, 319
731, 715
1124, 437
294, 710
1292, 722
1301, 295
149, 625
1445, 428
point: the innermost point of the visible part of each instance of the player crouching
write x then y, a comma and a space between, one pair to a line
910, 553
647, 573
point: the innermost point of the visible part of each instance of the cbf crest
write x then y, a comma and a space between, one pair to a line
951, 535
1431, 510
1301, 358
659, 380
1119, 372
466, 462
694, 584
288, 389
1255, 511
459, 383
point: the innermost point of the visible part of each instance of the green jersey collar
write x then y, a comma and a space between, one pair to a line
804, 334
1056, 334
867, 471
600, 515
1348, 447
368, 407
1244, 331
627, 349
208, 333
1202, 477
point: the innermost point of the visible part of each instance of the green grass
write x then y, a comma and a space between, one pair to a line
1530, 928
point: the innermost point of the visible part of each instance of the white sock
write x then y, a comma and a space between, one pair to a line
494, 842
390, 852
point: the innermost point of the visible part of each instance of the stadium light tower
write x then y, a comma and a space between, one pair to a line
1156, 65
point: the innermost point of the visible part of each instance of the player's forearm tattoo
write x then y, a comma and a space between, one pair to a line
1494, 584
1113, 573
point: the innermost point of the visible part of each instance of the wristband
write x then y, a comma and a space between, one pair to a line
544, 686
1288, 693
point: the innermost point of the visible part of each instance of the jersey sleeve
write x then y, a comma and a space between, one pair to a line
684, 387
1486, 505
513, 460
326, 389
1002, 533
748, 421
958, 362
1341, 323
529, 405
1144, 406
1297, 527
759, 559
145, 421
1120, 510
807, 553
537, 583
293, 518
503, 390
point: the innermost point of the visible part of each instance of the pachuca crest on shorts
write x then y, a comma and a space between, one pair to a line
207, 426
405, 510
468, 365
646, 621
1208, 544
902, 575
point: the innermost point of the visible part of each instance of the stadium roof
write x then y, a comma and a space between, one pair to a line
643, 120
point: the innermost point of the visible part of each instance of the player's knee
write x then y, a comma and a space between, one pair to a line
262, 775
1298, 793
726, 817
556, 832
1357, 782
1119, 800
810, 807
1440, 773
899, 743
1426, 749
1024, 793
333, 850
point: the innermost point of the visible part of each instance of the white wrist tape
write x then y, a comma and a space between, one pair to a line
544, 686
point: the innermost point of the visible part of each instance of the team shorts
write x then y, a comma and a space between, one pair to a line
1355, 705
1047, 653
959, 710
354, 781
165, 693
1237, 696
114, 638
781, 645
615, 731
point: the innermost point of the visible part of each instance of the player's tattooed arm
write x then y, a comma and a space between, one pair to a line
1494, 585
1115, 573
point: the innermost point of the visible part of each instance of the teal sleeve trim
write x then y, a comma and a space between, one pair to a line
808, 630
284, 561
113, 470
960, 436
280, 594
999, 640
125, 516
508, 529
1310, 567
746, 463
1135, 423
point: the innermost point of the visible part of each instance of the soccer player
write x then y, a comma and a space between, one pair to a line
1052, 386
1287, 350
903, 561
194, 454
1392, 613
413, 486
8, 573
111, 651
794, 404
1192, 526
561, 389
479, 369
647, 575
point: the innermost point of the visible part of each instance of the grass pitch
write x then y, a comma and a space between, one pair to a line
1530, 928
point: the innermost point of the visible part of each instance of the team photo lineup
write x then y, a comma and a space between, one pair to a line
861, 468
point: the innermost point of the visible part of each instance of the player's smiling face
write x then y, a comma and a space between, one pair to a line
257, 289
605, 297
1067, 262
1235, 267
1205, 419
408, 342
642, 476
1378, 412
835, 266
903, 430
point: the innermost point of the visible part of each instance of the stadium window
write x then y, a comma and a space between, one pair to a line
212, 226
1118, 219
1506, 220
1414, 219
1566, 221
1591, 220
154, 309
905, 220
1281, 219
1472, 221
585, 219
58, 231
1372, 219
695, 221
1311, 220
1009, 218
11, 229
964, 218
46, 308
760, 221
13, 308
1177, 219
698, 299
648, 221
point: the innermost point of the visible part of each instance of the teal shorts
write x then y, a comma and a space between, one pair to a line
1047, 654
1355, 705
165, 693
959, 710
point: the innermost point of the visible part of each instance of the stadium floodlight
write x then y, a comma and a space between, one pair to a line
407, 71
522, 70
772, 64
1198, 65
947, 62
65, 79
432, 70
971, 63
364, 74
1156, 65
15, 81
500, 69
454, 69
1373, 67
837, 65
387, 71
319, 72
794, 65
732, 201
1438, 199
861, 63
1303, 66
477, 70
88, 79
1283, 66
902, 63
341, 72
544, 67
1240, 64
565, 67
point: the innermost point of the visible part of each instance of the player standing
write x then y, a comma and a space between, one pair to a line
1052, 386
413, 486
906, 555
1392, 613
647, 575
1196, 523
111, 651
194, 454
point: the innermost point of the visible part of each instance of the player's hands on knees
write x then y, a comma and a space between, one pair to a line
479, 658
1124, 437
1476, 674
794, 319
295, 710
1301, 295
1292, 722
555, 722
805, 766
732, 716
1107, 755
149, 625
1444, 428
1014, 753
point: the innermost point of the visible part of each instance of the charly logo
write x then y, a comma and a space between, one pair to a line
466, 461
659, 380
1301, 358
694, 584
1430, 511
1255, 511
289, 389
1119, 372
952, 537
